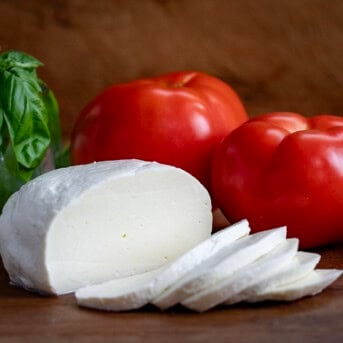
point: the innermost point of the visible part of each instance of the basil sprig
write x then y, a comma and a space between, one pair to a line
29, 124
24, 117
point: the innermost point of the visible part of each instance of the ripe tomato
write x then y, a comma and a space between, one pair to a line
284, 169
177, 119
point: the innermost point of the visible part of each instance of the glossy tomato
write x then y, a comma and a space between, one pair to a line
178, 119
284, 169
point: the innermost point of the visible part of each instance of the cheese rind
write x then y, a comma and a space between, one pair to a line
87, 224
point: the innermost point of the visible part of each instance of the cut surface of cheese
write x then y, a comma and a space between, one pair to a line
241, 253
312, 284
124, 294
225, 288
217, 244
301, 264
91, 223
134, 292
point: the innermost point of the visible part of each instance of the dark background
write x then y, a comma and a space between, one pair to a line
279, 55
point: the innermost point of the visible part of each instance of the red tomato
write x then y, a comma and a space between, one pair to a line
284, 169
177, 119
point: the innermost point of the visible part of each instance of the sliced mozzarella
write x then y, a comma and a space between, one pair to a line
216, 245
87, 224
118, 295
237, 255
225, 288
300, 265
312, 284
136, 291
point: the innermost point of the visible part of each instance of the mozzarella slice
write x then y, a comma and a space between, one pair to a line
301, 264
136, 291
216, 245
87, 224
311, 284
118, 295
223, 289
237, 255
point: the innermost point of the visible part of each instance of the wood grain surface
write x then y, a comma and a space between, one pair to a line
26, 317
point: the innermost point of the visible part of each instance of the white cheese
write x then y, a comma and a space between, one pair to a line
237, 255
312, 284
123, 294
301, 264
87, 224
136, 291
225, 288
280, 273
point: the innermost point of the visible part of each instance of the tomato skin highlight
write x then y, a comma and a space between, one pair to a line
284, 169
177, 119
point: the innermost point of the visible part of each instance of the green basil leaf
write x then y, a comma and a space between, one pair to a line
61, 152
25, 115
14, 168
9, 183
1, 118
21, 60
30, 133
52, 109
1, 129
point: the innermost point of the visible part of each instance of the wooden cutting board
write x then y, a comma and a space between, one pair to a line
26, 317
